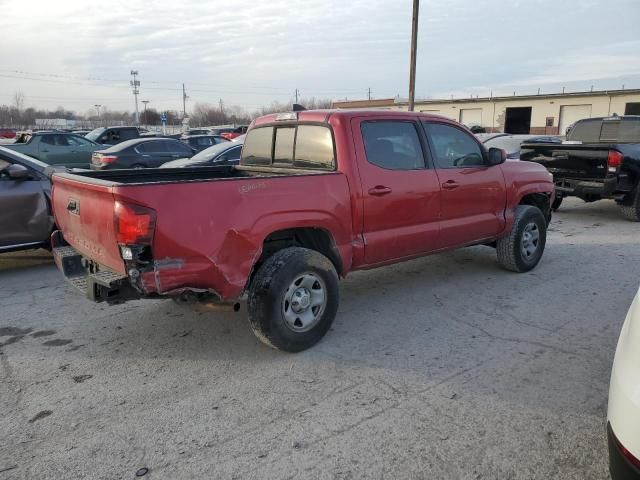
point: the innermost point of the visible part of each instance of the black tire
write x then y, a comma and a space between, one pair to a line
556, 203
511, 249
268, 306
632, 210
138, 166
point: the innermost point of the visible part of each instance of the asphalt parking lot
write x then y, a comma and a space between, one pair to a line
444, 367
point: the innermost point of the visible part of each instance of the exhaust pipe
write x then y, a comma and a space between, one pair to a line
220, 306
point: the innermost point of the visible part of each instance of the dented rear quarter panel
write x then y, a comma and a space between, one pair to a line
209, 234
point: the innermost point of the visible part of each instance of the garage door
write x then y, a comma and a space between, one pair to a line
570, 114
471, 116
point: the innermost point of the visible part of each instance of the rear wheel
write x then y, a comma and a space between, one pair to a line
293, 299
138, 166
632, 210
522, 249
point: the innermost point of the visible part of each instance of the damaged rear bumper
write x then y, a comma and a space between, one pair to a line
96, 282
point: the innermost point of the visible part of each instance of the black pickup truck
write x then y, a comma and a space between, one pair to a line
600, 159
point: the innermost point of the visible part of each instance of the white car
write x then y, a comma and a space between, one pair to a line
623, 426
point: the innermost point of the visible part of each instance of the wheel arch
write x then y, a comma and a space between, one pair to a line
314, 238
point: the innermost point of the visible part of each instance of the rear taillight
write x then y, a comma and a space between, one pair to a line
623, 451
614, 160
134, 224
100, 158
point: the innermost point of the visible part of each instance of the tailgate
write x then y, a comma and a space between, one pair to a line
84, 213
569, 161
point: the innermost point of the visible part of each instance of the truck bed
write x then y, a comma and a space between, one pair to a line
575, 161
211, 221
176, 175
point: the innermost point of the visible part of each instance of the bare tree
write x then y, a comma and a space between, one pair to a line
18, 100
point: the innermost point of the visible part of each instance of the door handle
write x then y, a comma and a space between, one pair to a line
379, 190
450, 185
44, 151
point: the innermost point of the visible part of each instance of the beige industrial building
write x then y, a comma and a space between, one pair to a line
549, 114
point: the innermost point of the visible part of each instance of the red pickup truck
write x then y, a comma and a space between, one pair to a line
317, 195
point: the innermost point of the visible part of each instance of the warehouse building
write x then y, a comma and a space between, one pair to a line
548, 114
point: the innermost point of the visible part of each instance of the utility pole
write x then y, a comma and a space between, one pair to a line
414, 47
135, 84
97, 105
184, 102
369, 93
144, 111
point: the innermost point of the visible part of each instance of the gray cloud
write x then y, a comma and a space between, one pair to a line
258, 51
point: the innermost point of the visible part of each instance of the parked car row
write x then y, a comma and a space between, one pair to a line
227, 131
116, 147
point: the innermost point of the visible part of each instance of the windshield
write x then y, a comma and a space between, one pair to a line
94, 134
211, 152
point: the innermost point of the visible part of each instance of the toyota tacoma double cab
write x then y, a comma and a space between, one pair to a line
317, 195
599, 160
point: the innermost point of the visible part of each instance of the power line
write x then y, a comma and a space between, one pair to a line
118, 83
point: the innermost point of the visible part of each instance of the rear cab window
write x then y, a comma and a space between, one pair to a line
304, 146
587, 131
608, 130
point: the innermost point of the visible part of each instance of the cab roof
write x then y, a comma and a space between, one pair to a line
323, 116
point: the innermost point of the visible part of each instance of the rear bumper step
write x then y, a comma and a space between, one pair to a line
96, 282
568, 187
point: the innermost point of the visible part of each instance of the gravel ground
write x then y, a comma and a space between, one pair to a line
444, 367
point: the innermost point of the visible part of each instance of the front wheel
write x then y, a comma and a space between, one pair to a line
293, 299
522, 249
556, 203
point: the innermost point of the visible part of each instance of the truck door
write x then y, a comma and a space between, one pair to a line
473, 193
24, 216
401, 192
81, 150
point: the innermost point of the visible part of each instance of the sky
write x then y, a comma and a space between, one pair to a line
77, 54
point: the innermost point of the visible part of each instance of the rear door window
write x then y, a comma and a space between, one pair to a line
151, 147
392, 144
176, 146
56, 140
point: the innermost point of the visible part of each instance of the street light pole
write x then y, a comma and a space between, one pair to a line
414, 47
